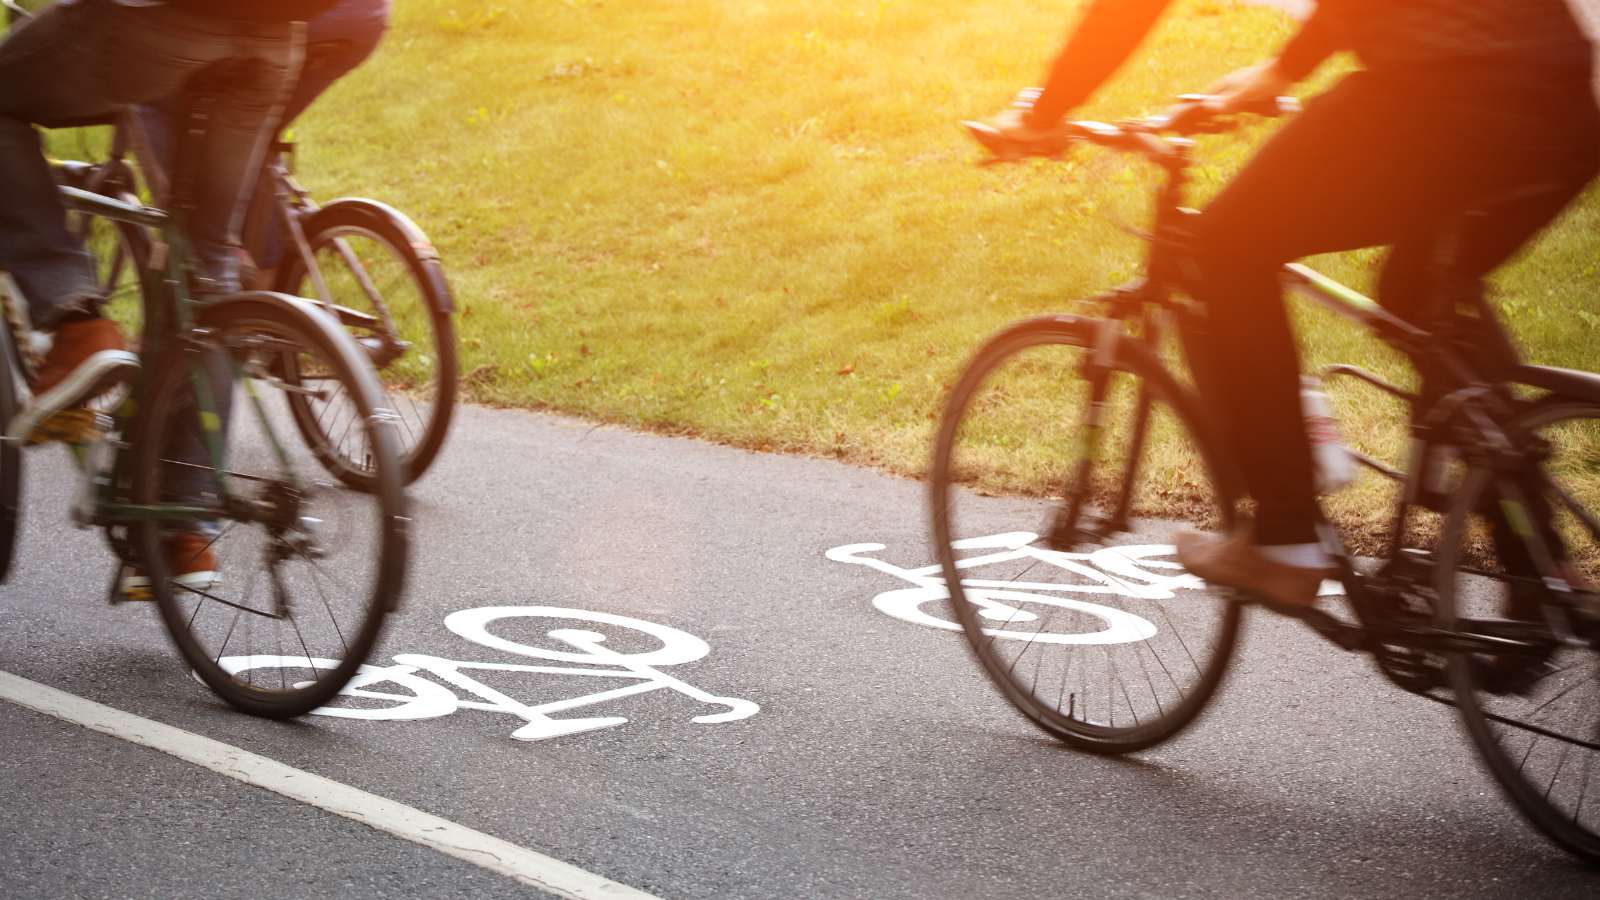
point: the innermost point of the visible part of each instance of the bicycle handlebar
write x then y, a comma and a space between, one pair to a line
1152, 136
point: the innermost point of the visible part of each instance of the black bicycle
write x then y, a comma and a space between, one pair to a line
362, 261
1074, 441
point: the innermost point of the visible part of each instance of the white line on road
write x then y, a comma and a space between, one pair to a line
402, 821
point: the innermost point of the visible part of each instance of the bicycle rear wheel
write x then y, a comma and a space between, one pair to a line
308, 570
1056, 543
121, 253
1533, 710
393, 297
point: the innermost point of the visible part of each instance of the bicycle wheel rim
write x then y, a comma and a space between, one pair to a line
421, 380
1145, 645
10, 454
120, 251
315, 584
1551, 775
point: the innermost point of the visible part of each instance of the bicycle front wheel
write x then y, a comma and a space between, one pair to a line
389, 291
10, 453
1532, 702
248, 556
1055, 535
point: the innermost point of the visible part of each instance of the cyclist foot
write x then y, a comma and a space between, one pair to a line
189, 560
87, 359
1235, 561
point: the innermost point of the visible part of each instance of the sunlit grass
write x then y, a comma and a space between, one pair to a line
757, 222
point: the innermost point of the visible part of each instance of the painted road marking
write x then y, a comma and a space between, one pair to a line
1140, 572
1134, 572
492, 853
404, 695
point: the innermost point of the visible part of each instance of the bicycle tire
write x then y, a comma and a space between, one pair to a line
1070, 718
1491, 712
390, 233
10, 453
121, 253
250, 331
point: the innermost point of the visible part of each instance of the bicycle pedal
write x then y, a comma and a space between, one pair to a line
79, 425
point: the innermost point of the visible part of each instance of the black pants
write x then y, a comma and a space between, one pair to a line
1392, 159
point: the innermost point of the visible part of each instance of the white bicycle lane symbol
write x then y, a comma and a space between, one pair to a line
403, 694
1136, 572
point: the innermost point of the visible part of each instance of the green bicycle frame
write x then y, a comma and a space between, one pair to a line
168, 317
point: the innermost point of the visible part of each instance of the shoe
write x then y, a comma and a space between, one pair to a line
191, 564
1235, 561
87, 359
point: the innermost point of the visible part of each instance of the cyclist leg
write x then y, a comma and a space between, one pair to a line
1486, 242
46, 67
86, 60
1359, 168
81, 61
337, 42
245, 93
52, 71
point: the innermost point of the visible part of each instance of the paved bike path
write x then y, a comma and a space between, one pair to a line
880, 764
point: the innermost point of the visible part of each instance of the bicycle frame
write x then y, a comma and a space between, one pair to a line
294, 206
168, 316
1472, 414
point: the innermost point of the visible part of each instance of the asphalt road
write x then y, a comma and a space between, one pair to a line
881, 763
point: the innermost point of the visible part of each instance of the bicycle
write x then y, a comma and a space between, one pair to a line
330, 564
1087, 413
363, 261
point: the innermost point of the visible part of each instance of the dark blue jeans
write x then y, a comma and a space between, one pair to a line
82, 61
336, 42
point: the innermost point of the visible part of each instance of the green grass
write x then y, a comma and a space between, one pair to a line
757, 222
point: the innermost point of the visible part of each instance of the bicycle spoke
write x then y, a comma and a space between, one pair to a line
1144, 670
310, 664
222, 649
324, 595
1534, 716
1017, 416
279, 549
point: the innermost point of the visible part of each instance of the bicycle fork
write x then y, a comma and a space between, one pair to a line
1064, 531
